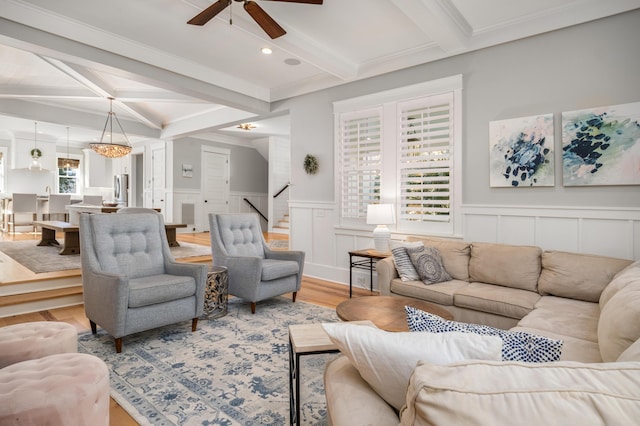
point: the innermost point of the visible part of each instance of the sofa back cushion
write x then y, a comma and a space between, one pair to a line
622, 279
455, 255
507, 393
619, 323
577, 276
506, 265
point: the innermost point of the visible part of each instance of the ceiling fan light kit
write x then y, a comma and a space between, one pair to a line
110, 149
262, 18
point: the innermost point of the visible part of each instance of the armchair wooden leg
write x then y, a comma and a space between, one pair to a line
194, 324
295, 293
119, 345
94, 327
253, 307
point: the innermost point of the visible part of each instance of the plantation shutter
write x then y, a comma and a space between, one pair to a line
360, 161
74, 164
426, 159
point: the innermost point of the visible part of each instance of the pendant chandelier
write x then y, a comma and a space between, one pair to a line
35, 152
110, 148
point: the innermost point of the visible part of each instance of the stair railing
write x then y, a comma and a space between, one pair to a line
282, 190
256, 210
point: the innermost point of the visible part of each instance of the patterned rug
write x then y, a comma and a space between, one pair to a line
47, 259
233, 370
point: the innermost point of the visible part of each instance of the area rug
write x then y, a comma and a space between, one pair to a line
233, 370
47, 259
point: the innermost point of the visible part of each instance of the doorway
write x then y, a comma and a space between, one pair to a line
215, 183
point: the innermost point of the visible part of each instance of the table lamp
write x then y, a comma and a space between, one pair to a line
381, 215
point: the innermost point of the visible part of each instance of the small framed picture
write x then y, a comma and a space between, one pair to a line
187, 170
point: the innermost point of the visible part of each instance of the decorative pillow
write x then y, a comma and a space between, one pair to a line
517, 345
401, 259
386, 360
428, 264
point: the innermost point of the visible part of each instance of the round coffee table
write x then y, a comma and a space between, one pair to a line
386, 312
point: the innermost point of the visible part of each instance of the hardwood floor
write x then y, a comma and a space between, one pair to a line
316, 291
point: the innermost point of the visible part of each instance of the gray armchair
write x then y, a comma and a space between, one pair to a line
255, 272
130, 280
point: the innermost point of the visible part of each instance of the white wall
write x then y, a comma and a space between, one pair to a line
589, 65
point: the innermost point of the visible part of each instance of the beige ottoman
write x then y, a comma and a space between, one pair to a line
33, 340
62, 389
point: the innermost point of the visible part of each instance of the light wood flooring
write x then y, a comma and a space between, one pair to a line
316, 291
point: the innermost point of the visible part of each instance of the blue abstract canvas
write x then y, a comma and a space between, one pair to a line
601, 146
521, 152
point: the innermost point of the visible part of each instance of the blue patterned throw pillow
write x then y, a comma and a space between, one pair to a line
516, 345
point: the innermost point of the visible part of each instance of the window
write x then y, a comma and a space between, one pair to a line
68, 170
402, 147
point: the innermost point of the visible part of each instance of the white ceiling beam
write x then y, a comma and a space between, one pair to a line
211, 120
155, 96
440, 21
45, 93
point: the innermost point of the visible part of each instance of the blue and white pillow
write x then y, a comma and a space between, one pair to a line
402, 261
516, 345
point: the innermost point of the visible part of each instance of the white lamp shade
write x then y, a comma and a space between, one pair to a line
380, 214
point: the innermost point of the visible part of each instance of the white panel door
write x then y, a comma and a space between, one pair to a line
216, 188
157, 178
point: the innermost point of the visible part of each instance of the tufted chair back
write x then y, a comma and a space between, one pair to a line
131, 245
241, 234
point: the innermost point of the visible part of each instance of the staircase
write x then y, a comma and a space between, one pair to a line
283, 226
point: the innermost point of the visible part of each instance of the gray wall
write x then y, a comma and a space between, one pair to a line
249, 170
590, 65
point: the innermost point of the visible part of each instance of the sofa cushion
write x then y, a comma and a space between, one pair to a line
386, 359
505, 301
455, 254
623, 278
428, 264
632, 353
402, 261
499, 393
516, 346
567, 317
619, 324
506, 265
440, 293
577, 276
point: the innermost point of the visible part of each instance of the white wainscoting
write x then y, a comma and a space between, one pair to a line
185, 198
603, 231
611, 232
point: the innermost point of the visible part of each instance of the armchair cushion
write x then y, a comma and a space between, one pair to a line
154, 289
272, 269
240, 237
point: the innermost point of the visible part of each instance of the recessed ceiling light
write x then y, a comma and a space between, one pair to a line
292, 61
266, 50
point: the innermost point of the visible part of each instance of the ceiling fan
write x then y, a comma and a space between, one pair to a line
271, 27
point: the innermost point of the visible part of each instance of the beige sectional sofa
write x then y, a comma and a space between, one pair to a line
590, 302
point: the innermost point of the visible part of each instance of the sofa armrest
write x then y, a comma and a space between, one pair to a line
350, 398
386, 270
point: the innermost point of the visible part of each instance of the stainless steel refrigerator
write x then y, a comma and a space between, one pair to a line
121, 190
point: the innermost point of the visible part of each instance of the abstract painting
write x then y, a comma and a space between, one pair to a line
521, 152
601, 146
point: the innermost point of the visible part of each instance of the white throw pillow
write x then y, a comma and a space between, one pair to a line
402, 261
386, 360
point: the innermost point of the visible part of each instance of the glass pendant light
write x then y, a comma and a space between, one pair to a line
35, 152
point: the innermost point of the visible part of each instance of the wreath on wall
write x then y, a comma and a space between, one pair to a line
310, 164
35, 153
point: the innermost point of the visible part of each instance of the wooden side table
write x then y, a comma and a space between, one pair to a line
367, 261
306, 339
216, 296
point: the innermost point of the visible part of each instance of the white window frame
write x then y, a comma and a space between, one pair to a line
79, 177
389, 102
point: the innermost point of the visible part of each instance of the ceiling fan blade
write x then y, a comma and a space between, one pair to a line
302, 1
208, 14
265, 21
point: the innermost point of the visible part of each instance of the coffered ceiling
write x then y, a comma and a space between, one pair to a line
60, 60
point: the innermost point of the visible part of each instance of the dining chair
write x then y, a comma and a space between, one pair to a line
22, 204
57, 205
93, 200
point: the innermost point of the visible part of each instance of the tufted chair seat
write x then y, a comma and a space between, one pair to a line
255, 271
131, 281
